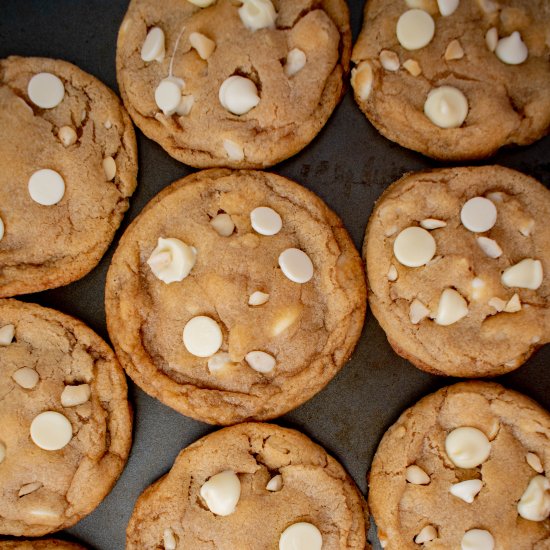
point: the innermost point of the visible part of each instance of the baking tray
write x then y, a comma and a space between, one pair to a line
348, 165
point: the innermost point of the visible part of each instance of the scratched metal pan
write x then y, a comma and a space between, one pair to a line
348, 165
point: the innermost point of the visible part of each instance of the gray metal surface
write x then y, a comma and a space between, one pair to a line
348, 165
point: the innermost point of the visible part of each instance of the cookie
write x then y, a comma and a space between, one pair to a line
68, 156
66, 422
222, 83
251, 486
455, 79
466, 467
234, 296
458, 264
48, 544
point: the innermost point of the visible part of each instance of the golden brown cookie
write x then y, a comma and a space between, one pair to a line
244, 487
455, 79
466, 467
66, 423
458, 263
68, 156
234, 296
47, 544
244, 86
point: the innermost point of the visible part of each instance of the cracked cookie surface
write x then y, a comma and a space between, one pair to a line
292, 109
49, 544
488, 341
515, 426
309, 329
49, 246
508, 104
315, 489
42, 491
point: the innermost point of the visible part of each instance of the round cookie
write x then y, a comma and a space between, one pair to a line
48, 544
281, 66
68, 152
476, 303
424, 488
458, 81
66, 422
260, 301
271, 479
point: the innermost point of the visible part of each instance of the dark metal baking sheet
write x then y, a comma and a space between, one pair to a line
348, 165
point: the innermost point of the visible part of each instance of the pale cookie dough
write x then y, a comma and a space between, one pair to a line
482, 81
452, 501
55, 365
47, 544
249, 85
479, 304
239, 464
59, 206
244, 333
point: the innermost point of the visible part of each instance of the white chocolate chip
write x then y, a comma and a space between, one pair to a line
1, 229
168, 95
495, 196
491, 39
296, 265
204, 46
361, 80
525, 274
219, 362
415, 29
391, 230
414, 247
431, 223
169, 540
389, 60
416, 475
202, 3
392, 273
275, 483
497, 304
260, 361
418, 312
7, 332
295, 62
527, 227
467, 490
26, 377
478, 215
223, 225
454, 51
221, 493
185, 106
446, 107
427, 5
534, 461
477, 286
427, 534
109, 167
258, 298
287, 317
46, 187
413, 67
108, 124
489, 246
172, 260
467, 447
488, 6
46, 90
512, 50
29, 488
265, 221
2, 452
301, 536
73, 396
258, 14
451, 308
477, 539
51, 431
534, 504
447, 7
234, 150
67, 135
202, 336
513, 305
238, 95
153, 46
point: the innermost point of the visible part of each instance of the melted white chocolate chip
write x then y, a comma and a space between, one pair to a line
301, 536
275, 483
525, 274
72, 396
221, 493
414, 247
153, 45
477, 539
416, 475
447, 7
415, 29
234, 150
258, 14
446, 107
534, 504
7, 332
362, 78
467, 447
260, 361
26, 377
467, 490
295, 62
202, 336
169, 540
478, 215
172, 260
512, 50
202, 44
296, 265
51, 431
223, 225
534, 461
67, 135
427, 534
238, 95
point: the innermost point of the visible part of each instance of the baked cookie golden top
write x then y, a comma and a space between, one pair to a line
47, 544
455, 79
466, 467
458, 263
66, 422
239, 84
235, 295
68, 156
252, 487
